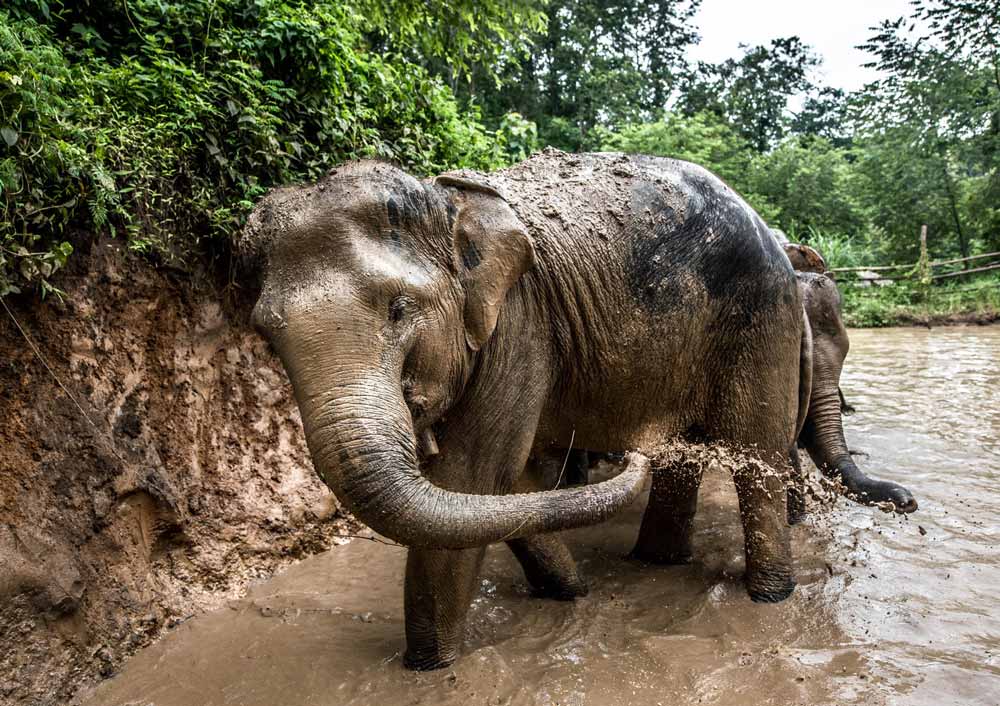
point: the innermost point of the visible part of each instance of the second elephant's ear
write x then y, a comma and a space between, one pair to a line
492, 250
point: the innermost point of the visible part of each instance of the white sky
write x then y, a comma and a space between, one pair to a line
832, 29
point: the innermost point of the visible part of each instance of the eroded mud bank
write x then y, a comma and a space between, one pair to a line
182, 477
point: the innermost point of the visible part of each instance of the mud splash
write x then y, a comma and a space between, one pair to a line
889, 609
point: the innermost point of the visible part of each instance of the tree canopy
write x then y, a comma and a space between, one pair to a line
162, 121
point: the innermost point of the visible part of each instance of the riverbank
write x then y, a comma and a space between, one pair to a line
910, 305
927, 319
174, 476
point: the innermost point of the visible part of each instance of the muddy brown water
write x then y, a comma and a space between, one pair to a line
889, 610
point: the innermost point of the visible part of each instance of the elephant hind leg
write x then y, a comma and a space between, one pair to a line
665, 533
761, 486
549, 567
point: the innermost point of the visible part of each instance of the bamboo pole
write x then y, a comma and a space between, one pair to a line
879, 268
936, 263
993, 266
945, 275
923, 272
964, 259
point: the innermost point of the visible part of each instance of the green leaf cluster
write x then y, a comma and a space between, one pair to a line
163, 121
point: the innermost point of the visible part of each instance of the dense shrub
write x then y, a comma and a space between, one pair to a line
163, 121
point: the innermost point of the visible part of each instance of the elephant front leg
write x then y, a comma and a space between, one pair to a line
440, 585
665, 534
549, 567
796, 489
764, 512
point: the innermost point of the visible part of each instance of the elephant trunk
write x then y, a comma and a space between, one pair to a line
360, 434
824, 439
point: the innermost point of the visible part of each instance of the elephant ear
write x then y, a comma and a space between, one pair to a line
804, 258
492, 250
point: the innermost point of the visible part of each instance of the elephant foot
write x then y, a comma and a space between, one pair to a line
770, 585
428, 662
658, 554
549, 567
437, 592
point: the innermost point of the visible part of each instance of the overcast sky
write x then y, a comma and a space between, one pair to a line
833, 29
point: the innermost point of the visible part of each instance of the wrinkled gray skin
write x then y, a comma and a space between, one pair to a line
436, 333
823, 433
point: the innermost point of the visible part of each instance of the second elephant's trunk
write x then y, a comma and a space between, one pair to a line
823, 435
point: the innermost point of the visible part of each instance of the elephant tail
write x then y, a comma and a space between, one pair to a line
805, 374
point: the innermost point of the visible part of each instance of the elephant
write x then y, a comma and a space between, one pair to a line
438, 332
823, 432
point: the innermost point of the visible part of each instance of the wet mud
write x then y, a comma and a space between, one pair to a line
889, 609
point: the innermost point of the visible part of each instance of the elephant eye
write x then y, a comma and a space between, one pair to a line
397, 309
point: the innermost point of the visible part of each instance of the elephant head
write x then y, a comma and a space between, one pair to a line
823, 433
378, 293
804, 258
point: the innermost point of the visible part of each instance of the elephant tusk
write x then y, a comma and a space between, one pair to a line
428, 443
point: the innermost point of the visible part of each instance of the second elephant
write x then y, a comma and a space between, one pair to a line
823, 433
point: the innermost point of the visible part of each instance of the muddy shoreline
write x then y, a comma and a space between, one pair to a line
972, 318
910, 319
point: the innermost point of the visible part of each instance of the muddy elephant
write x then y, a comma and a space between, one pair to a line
437, 332
823, 433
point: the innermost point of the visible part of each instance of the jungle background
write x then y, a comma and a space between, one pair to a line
152, 461
160, 123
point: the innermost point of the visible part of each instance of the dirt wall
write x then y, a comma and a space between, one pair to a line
181, 478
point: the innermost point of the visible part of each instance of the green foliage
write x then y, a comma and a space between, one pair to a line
598, 63
457, 37
939, 100
839, 250
165, 121
702, 138
810, 185
752, 92
518, 136
45, 172
825, 113
162, 121
907, 303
